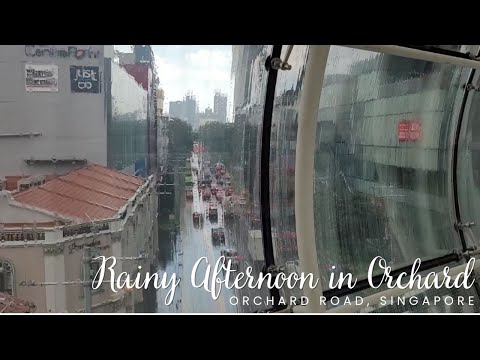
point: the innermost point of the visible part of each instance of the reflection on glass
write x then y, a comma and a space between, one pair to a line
282, 162
127, 120
468, 169
244, 145
382, 160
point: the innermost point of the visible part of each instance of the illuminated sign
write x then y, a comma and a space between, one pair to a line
409, 130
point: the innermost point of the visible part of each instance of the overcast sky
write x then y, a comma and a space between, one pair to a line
200, 68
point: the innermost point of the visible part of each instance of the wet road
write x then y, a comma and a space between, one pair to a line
188, 246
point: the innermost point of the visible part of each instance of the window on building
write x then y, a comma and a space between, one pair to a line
94, 268
6, 277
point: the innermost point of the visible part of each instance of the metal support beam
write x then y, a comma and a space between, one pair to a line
419, 55
304, 160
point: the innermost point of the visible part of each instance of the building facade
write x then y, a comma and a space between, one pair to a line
65, 106
220, 107
144, 72
45, 230
52, 116
186, 110
126, 120
176, 109
191, 110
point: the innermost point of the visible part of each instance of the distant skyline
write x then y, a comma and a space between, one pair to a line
202, 69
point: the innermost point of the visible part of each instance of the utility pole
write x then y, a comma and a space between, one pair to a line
87, 282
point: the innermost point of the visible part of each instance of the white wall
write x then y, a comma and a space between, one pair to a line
72, 124
56, 294
14, 214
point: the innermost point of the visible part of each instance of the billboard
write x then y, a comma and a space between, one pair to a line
41, 77
85, 79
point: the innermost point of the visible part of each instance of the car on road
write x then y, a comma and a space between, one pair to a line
197, 218
213, 211
218, 236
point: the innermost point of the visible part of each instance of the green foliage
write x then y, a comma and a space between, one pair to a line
224, 141
180, 136
195, 135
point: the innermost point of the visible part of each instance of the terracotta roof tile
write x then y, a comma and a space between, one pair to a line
90, 193
10, 304
98, 185
118, 174
108, 179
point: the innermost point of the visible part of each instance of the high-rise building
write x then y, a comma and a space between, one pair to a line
220, 106
144, 72
186, 109
206, 117
241, 73
191, 109
176, 109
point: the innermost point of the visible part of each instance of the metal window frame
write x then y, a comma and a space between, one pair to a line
267, 240
419, 55
305, 148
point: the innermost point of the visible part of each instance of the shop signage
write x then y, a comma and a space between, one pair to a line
41, 77
66, 52
93, 244
85, 79
21, 236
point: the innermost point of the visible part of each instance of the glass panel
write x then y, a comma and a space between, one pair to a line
382, 160
282, 162
126, 119
244, 148
195, 180
468, 167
